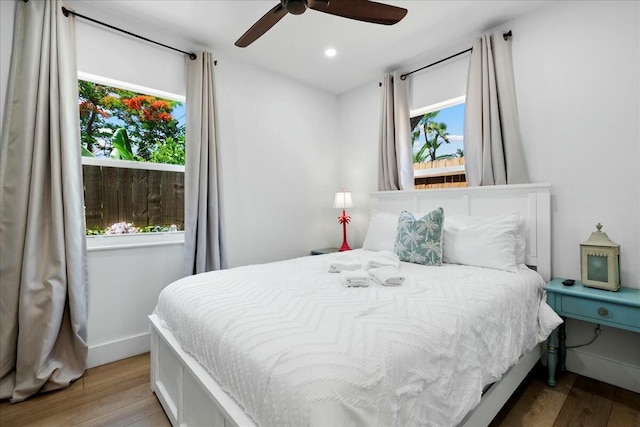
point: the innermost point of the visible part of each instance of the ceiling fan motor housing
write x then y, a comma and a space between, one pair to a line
295, 7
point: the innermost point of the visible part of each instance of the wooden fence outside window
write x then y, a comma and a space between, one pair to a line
444, 173
139, 196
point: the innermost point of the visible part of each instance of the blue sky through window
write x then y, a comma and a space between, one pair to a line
454, 118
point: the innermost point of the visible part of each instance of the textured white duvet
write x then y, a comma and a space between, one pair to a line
294, 347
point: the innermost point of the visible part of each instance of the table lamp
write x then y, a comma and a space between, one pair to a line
343, 201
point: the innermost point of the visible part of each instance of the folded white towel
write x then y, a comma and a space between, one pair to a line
384, 259
343, 262
357, 278
337, 267
387, 276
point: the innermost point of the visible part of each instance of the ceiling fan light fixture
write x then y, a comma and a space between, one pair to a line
295, 7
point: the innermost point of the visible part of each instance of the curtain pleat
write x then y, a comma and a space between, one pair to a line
43, 298
492, 142
203, 222
395, 160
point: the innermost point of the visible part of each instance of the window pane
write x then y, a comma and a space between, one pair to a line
120, 124
438, 134
438, 147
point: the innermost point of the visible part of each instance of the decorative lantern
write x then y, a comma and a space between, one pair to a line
600, 259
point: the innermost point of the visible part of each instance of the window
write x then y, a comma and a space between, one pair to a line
438, 146
132, 143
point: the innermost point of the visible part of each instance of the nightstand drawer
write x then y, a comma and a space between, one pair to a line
600, 311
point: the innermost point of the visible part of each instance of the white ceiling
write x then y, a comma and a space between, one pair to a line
295, 46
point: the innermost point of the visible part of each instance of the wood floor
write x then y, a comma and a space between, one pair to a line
118, 394
574, 401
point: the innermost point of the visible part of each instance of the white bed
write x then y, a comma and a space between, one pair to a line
295, 347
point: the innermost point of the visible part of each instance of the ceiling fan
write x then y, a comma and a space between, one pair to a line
360, 10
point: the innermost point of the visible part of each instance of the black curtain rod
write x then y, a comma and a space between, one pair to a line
404, 76
66, 13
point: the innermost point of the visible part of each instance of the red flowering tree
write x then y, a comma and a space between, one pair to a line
148, 120
93, 114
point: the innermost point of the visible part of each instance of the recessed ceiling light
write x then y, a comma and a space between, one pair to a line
329, 53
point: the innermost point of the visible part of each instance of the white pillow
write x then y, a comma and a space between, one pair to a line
489, 242
382, 231
464, 220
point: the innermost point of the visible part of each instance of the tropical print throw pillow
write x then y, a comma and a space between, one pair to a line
420, 240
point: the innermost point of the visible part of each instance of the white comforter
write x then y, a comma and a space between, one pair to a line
293, 346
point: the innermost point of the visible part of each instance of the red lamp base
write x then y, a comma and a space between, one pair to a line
344, 220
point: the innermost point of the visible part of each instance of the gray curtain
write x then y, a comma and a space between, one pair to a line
395, 160
492, 143
43, 299
202, 222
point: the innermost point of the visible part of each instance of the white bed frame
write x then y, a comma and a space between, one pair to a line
190, 396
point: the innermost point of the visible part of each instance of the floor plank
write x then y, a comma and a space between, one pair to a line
127, 415
538, 405
588, 404
99, 391
53, 404
158, 419
93, 409
625, 410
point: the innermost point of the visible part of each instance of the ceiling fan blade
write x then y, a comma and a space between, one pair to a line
361, 10
269, 19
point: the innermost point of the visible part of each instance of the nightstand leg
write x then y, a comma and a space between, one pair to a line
552, 357
563, 347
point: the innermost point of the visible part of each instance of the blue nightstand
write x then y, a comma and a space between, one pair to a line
619, 309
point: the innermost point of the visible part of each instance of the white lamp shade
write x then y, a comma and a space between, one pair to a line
343, 200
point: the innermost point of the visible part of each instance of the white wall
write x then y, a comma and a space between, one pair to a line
442, 82
278, 150
126, 275
577, 81
359, 118
577, 76
107, 53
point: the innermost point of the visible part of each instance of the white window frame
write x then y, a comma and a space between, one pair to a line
449, 170
131, 164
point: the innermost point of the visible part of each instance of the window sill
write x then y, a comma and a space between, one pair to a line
445, 171
130, 241
130, 164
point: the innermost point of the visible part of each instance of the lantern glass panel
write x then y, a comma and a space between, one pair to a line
597, 268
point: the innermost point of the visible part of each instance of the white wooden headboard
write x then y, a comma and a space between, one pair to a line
532, 201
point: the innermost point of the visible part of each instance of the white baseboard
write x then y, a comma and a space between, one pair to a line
117, 350
603, 369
